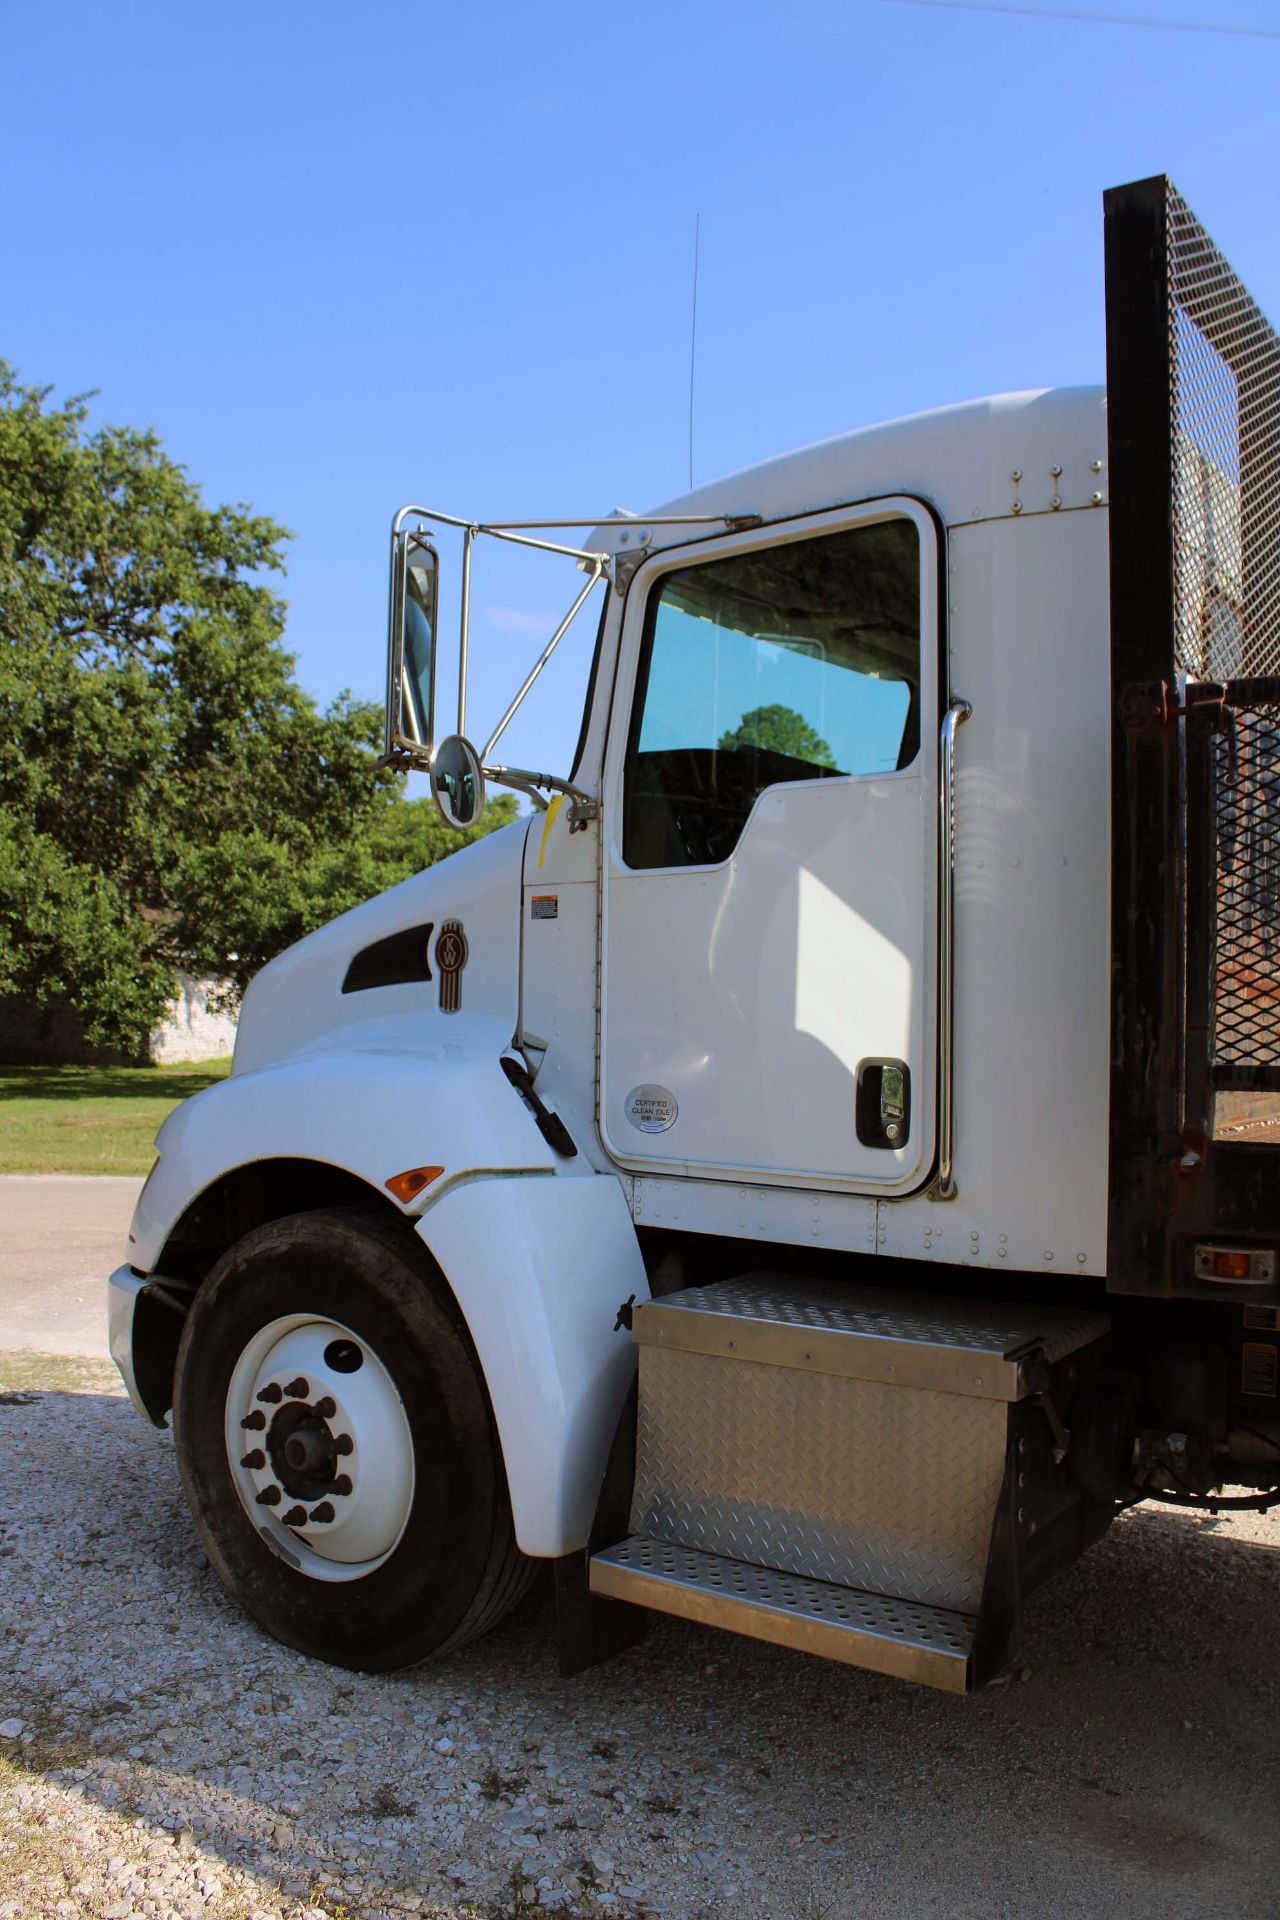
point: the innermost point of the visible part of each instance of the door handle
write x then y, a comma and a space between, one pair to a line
883, 1104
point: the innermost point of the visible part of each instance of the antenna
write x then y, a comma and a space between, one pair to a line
693, 336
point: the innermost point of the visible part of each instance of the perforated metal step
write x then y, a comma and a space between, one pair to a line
900, 1638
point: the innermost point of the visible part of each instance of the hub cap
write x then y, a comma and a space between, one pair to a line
319, 1447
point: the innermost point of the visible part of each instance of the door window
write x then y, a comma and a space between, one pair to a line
794, 662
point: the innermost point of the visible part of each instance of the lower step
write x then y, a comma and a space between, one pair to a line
900, 1638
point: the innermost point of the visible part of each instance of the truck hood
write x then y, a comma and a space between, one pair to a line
373, 979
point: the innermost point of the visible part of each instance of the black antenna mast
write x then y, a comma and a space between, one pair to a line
693, 336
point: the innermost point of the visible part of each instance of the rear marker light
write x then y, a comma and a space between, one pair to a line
407, 1186
1235, 1266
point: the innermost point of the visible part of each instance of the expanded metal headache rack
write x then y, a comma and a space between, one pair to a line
1193, 373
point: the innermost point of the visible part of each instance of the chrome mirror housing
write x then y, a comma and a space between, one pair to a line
411, 649
457, 782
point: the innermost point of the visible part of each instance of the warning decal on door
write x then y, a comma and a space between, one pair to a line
544, 906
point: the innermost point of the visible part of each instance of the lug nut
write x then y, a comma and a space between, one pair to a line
326, 1408
270, 1394
342, 1484
344, 1444
255, 1459
296, 1517
297, 1389
269, 1497
254, 1422
323, 1513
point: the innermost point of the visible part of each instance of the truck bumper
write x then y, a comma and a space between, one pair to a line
123, 1289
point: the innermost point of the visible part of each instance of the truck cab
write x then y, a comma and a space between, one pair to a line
817, 1169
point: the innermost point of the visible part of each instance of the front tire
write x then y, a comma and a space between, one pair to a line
337, 1448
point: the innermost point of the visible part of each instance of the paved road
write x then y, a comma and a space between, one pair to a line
62, 1235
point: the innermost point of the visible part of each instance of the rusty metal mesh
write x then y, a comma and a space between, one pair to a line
1246, 948
1225, 397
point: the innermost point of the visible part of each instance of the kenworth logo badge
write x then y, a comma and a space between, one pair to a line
451, 958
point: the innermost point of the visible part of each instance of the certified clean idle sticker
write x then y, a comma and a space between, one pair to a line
651, 1109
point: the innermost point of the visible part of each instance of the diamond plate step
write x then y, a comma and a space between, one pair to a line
900, 1638
977, 1349
838, 1433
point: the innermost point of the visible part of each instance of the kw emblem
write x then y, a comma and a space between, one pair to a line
451, 958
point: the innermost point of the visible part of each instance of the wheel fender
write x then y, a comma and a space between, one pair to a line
539, 1269
370, 1110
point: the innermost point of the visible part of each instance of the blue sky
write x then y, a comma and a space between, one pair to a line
345, 257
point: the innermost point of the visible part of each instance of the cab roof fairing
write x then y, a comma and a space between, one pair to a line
960, 459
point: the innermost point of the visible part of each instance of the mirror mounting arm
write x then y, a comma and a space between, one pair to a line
464, 632
456, 770
398, 759
584, 806
596, 571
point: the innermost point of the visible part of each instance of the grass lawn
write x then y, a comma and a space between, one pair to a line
91, 1119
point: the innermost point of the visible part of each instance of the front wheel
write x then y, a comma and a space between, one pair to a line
337, 1448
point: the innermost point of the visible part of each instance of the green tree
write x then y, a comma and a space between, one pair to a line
779, 730
169, 796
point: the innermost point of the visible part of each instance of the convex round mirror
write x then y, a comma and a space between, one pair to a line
457, 783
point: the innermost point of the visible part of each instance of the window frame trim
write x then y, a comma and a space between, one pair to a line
634, 618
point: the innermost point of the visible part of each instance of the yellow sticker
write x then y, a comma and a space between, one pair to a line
547, 825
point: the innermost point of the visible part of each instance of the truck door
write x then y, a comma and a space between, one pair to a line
769, 945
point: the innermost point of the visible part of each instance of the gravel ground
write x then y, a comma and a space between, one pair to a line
160, 1757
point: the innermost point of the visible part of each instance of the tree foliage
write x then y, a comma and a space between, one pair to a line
779, 730
169, 796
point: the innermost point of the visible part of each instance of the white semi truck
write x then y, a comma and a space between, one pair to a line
820, 1167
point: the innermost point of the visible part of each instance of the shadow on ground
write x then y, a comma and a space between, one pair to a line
107, 1083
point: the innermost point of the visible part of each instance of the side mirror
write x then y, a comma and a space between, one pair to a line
457, 782
411, 648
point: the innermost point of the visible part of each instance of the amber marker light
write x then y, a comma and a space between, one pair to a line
1232, 1266
408, 1185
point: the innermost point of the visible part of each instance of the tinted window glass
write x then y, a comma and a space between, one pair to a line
796, 662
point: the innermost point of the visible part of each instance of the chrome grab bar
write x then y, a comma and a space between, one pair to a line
954, 718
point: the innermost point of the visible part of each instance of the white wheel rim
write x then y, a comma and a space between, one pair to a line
319, 1447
